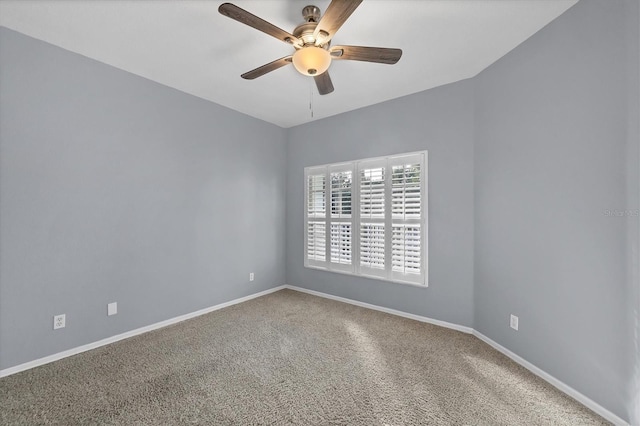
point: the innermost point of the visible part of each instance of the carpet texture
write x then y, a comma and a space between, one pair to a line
289, 358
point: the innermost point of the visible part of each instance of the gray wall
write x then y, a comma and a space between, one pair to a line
110, 191
551, 133
115, 188
439, 120
633, 203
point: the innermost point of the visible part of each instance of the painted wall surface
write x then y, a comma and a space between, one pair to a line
438, 120
550, 183
632, 14
115, 188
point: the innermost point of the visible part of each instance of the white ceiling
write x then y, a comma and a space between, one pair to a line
189, 46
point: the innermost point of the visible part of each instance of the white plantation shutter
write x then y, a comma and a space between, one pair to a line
341, 178
369, 217
315, 217
372, 191
316, 241
405, 248
407, 185
316, 201
372, 248
341, 243
341, 200
372, 181
406, 191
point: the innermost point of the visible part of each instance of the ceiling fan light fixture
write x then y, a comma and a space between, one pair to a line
311, 60
311, 40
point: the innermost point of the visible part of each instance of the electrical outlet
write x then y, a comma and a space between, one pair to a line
514, 322
59, 321
251, 276
112, 308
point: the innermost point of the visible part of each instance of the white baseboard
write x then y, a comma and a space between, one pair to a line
74, 351
420, 318
584, 400
589, 403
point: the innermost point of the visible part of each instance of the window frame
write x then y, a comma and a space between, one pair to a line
355, 268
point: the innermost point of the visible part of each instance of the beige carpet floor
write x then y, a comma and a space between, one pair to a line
289, 358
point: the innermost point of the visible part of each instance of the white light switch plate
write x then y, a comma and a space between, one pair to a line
514, 322
112, 308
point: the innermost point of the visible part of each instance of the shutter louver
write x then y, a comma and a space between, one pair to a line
406, 252
316, 204
316, 241
341, 194
341, 243
405, 191
372, 183
372, 245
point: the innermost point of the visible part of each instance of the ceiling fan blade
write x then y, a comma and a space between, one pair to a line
234, 12
335, 15
271, 66
380, 55
324, 84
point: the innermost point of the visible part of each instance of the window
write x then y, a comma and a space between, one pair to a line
376, 221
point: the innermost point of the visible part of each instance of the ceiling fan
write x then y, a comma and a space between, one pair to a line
312, 42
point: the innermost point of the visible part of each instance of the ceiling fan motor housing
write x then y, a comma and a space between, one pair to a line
305, 32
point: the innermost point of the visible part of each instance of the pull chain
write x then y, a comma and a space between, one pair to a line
311, 97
